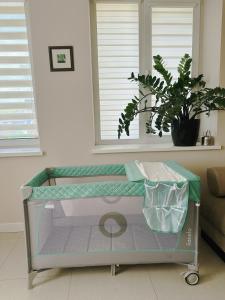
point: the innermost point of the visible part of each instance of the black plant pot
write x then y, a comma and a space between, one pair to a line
185, 132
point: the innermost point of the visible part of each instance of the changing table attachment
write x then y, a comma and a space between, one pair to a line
136, 213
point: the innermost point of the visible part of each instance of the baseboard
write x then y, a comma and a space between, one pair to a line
11, 227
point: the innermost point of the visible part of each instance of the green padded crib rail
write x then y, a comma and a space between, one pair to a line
96, 189
133, 187
38, 179
80, 171
83, 171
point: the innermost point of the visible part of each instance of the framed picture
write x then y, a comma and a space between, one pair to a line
61, 58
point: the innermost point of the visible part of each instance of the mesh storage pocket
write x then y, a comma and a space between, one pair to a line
166, 206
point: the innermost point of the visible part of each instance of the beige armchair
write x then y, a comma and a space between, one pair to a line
213, 210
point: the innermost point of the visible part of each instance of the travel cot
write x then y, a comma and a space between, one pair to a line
136, 213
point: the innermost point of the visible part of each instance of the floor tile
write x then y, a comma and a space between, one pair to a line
15, 265
152, 282
21, 235
10, 235
169, 284
45, 289
6, 247
54, 272
99, 284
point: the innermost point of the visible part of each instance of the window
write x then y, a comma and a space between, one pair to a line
17, 109
126, 35
118, 56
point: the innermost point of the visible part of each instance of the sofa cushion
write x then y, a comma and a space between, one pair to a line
216, 181
213, 210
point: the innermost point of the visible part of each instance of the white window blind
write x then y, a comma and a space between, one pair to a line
17, 110
172, 29
118, 56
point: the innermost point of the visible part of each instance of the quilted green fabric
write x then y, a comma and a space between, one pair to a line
39, 179
97, 189
82, 171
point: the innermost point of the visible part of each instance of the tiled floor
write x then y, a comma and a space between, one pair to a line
151, 282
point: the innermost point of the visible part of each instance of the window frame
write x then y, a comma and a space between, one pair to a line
145, 61
21, 143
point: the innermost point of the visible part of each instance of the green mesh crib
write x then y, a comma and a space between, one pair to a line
136, 213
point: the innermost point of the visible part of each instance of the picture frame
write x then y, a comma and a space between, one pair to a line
61, 58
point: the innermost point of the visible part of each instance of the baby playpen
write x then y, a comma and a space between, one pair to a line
136, 213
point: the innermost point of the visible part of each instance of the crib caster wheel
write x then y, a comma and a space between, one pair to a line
191, 278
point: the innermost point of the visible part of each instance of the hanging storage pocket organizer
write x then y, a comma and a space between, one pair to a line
166, 205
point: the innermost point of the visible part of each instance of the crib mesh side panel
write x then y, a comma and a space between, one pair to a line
100, 224
166, 206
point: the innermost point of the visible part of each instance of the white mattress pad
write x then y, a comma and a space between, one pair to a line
158, 171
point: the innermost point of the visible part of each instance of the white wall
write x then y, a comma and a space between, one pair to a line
64, 101
210, 55
222, 63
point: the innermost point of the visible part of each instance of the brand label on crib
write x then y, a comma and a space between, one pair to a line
189, 237
49, 206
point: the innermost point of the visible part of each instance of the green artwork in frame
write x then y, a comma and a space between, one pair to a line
61, 58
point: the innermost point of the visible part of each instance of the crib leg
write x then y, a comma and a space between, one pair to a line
114, 269
193, 267
31, 277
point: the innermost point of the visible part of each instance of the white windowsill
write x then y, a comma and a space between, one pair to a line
25, 151
101, 149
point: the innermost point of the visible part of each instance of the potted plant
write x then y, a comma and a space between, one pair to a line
178, 103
